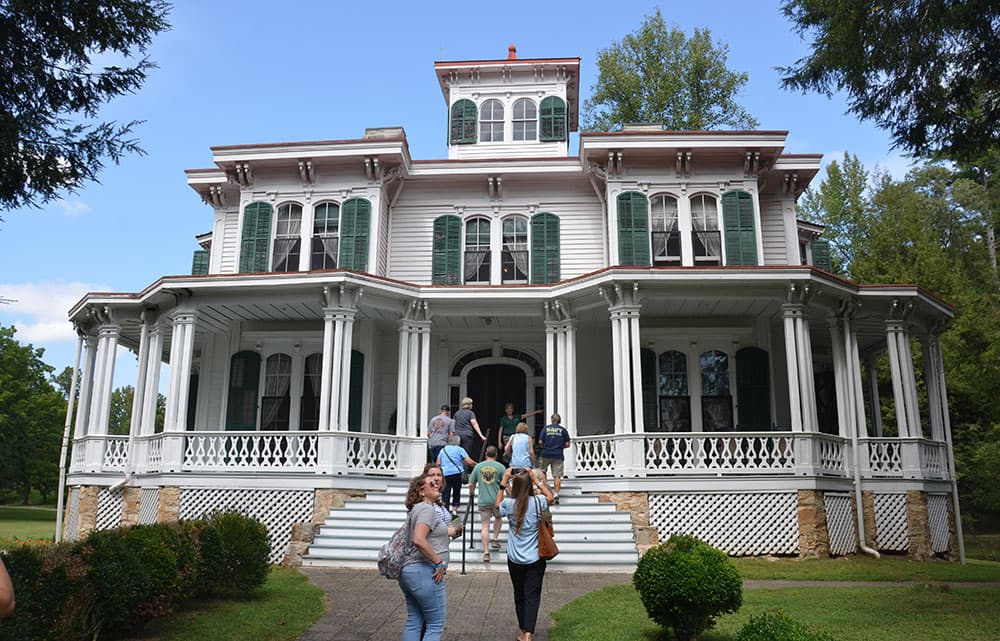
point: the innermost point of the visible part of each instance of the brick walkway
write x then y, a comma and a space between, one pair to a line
363, 606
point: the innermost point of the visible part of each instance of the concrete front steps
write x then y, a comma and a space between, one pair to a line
592, 536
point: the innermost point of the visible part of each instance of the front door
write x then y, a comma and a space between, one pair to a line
491, 387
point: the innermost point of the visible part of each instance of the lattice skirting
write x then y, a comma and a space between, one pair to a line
149, 503
276, 509
937, 515
890, 522
840, 524
109, 509
739, 524
72, 515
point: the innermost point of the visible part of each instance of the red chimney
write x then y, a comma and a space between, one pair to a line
512, 53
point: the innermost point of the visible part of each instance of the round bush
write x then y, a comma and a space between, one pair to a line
685, 583
778, 626
247, 551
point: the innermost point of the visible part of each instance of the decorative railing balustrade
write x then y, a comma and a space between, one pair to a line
658, 454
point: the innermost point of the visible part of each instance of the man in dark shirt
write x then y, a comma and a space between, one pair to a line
554, 439
467, 428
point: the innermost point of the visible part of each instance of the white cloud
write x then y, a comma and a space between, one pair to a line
74, 208
40, 309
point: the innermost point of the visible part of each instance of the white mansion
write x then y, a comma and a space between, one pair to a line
656, 290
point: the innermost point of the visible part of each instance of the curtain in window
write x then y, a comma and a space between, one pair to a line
283, 248
474, 259
705, 217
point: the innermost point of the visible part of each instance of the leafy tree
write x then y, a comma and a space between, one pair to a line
120, 415
926, 71
31, 419
658, 75
842, 204
52, 90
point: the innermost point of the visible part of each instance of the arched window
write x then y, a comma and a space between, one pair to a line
753, 389
552, 119
325, 236
672, 387
462, 127
312, 378
477, 250
544, 249
244, 382
514, 250
256, 237
633, 229
287, 238
491, 121
666, 234
741, 237
446, 257
525, 120
705, 238
716, 397
276, 401
355, 217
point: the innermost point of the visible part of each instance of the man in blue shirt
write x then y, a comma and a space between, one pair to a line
554, 439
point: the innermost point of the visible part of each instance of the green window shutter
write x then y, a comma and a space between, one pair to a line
738, 221
633, 229
256, 239
199, 264
355, 218
544, 249
552, 119
821, 254
463, 123
446, 261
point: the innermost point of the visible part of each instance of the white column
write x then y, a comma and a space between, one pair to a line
892, 342
326, 371
550, 369
617, 374
636, 346
876, 404
141, 372
184, 375
106, 350
170, 413
625, 353
838, 347
569, 410
345, 372
809, 398
401, 373
423, 416
336, 367
86, 388
413, 381
790, 313
560, 369
933, 387
910, 384
147, 422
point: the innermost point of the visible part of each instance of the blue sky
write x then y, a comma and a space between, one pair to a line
249, 71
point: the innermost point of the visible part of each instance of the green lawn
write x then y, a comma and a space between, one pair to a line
282, 610
860, 567
27, 522
921, 612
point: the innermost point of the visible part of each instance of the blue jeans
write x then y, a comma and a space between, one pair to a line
425, 602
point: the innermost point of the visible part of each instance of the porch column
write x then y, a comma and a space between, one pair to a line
86, 387
335, 369
550, 367
569, 411
181, 355
104, 374
622, 409
147, 420
841, 375
413, 382
893, 328
560, 369
635, 340
792, 312
876, 404
946, 424
806, 379
423, 413
910, 384
326, 370
345, 372
141, 371
623, 306
402, 382
931, 369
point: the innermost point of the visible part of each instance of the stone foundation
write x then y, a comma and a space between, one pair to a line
918, 531
130, 505
814, 536
87, 514
637, 504
868, 505
952, 553
169, 507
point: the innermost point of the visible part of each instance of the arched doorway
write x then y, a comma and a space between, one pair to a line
490, 387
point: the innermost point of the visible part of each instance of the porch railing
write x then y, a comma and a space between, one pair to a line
624, 455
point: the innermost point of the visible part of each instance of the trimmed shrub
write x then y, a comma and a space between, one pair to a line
778, 626
247, 547
685, 583
53, 601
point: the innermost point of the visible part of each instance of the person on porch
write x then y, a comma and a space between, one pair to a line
486, 475
520, 450
467, 428
438, 431
508, 424
554, 439
453, 458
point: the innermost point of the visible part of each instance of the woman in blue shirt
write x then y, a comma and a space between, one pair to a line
523, 509
520, 449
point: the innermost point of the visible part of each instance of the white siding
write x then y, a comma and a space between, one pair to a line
773, 232
229, 243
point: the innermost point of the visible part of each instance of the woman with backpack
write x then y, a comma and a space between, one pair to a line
422, 576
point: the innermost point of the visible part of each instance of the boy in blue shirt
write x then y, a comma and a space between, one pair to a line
554, 439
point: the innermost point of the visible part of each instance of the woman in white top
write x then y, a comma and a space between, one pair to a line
520, 448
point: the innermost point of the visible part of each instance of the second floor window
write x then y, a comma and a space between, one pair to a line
552, 119
287, 238
525, 120
514, 255
462, 126
477, 251
325, 235
665, 230
705, 236
491, 121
